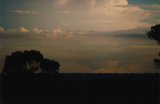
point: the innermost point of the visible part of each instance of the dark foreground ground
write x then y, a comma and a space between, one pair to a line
81, 89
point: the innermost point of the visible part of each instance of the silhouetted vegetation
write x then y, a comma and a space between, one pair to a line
29, 62
154, 34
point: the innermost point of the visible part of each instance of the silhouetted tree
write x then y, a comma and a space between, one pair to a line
29, 62
154, 34
49, 66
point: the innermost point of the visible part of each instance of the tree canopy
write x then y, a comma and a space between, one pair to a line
154, 33
29, 62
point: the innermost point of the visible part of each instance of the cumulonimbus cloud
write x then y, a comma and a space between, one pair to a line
105, 15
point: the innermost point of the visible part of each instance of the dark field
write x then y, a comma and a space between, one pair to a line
81, 89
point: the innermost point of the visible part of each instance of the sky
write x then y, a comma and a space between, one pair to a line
84, 36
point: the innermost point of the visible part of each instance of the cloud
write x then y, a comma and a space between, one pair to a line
37, 30
104, 15
23, 30
18, 30
91, 15
37, 33
67, 12
61, 2
2, 29
58, 33
92, 3
112, 3
111, 18
25, 12
151, 6
152, 10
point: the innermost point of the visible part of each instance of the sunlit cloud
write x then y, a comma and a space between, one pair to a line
37, 30
95, 15
118, 18
23, 30
58, 32
15, 30
28, 12
39, 33
105, 15
2, 29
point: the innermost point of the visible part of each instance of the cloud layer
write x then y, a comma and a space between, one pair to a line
38, 33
